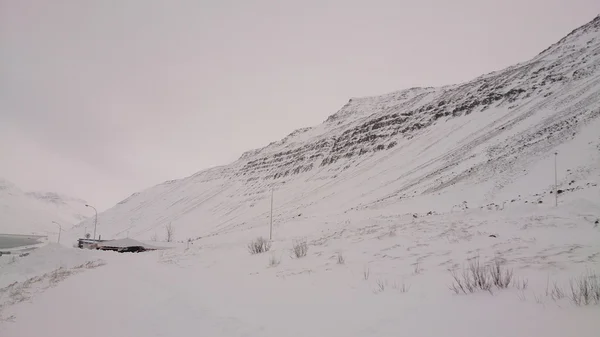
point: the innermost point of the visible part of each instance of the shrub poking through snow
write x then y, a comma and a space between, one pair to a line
417, 269
340, 258
170, 233
58, 275
300, 248
259, 245
366, 273
401, 287
480, 277
521, 284
501, 278
382, 285
18, 292
556, 292
585, 289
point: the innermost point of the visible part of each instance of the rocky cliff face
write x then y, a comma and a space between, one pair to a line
367, 125
478, 139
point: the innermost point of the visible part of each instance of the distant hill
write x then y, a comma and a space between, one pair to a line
33, 212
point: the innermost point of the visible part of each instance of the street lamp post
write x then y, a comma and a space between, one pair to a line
59, 230
555, 181
95, 219
271, 218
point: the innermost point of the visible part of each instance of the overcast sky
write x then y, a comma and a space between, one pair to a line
100, 99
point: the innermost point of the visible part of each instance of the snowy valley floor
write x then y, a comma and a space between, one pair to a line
394, 281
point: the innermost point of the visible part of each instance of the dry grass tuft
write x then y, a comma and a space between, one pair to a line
259, 245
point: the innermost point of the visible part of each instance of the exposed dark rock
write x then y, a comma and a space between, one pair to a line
372, 124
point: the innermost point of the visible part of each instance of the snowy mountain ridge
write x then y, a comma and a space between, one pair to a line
489, 141
423, 205
34, 212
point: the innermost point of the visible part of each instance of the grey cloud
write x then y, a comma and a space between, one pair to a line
102, 98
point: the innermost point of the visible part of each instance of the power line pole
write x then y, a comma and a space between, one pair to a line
555, 181
271, 226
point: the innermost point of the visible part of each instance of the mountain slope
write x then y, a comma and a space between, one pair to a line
489, 142
34, 212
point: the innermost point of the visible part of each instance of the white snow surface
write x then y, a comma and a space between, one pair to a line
216, 288
406, 187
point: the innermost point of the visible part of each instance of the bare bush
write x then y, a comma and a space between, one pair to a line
381, 285
521, 284
90, 264
585, 289
366, 273
274, 261
417, 269
340, 258
58, 275
18, 292
259, 245
480, 277
300, 248
154, 237
170, 233
556, 292
401, 287
501, 278
462, 284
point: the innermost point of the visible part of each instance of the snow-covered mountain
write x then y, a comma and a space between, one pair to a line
33, 212
487, 143
425, 205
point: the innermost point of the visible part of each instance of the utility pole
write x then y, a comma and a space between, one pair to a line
555, 181
59, 230
271, 226
95, 219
